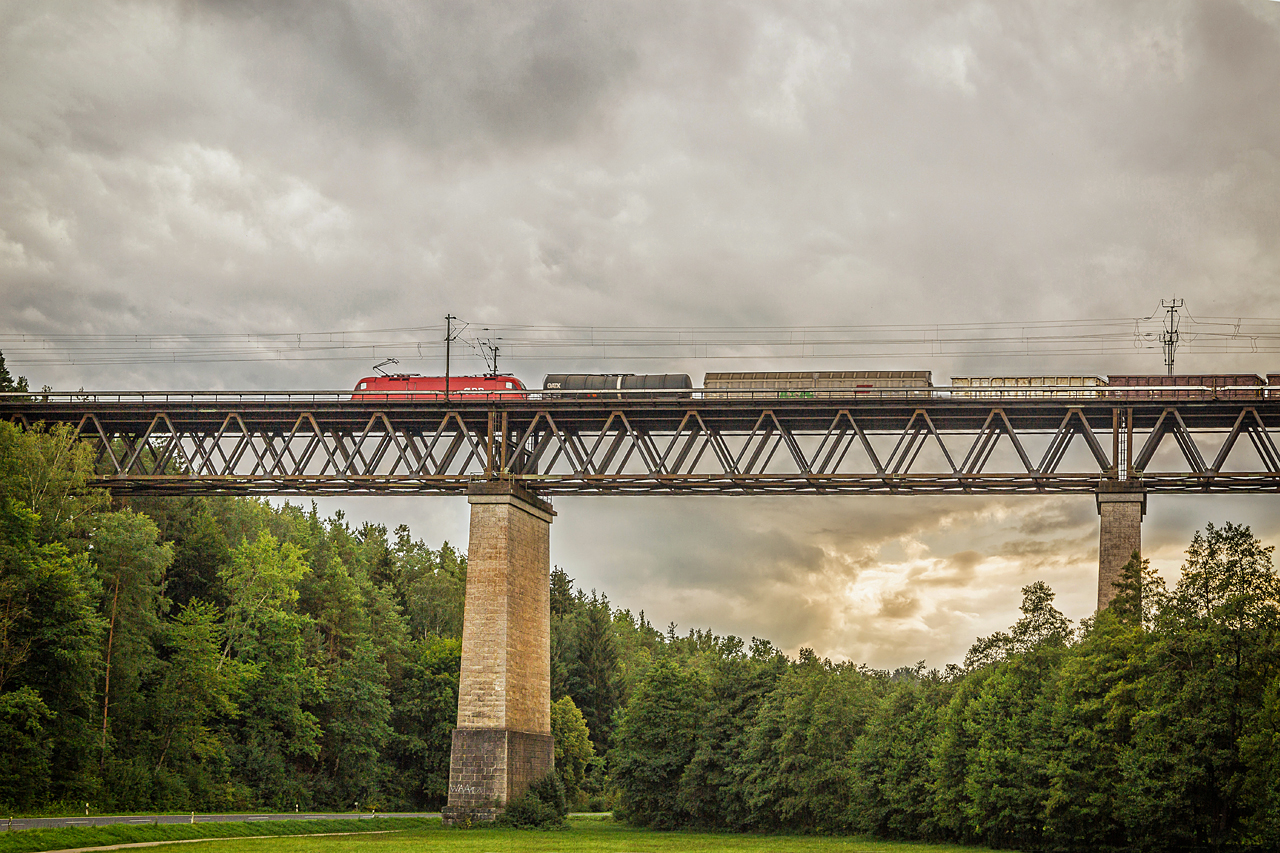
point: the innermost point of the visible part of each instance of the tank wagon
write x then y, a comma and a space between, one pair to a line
815, 383
617, 382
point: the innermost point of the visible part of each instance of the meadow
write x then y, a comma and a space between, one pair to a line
598, 835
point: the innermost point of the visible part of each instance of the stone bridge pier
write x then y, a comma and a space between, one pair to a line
1121, 505
503, 739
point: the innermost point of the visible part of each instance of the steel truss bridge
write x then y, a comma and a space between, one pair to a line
891, 443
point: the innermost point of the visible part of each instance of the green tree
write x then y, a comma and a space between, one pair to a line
1094, 700
24, 748
592, 679
991, 755
193, 692
131, 564
266, 634
1260, 750
655, 742
1185, 779
893, 778
432, 586
200, 547
357, 728
712, 788
573, 750
49, 629
424, 713
49, 471
800, 744
7, 382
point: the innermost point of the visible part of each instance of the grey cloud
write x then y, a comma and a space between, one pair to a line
298, 167
450, 75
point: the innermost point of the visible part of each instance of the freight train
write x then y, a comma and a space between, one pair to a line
818, 383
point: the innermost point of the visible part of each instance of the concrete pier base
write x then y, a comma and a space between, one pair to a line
1121, 507
503, 739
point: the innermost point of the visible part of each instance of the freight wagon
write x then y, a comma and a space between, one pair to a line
1220, 386
818, 383
1027, 386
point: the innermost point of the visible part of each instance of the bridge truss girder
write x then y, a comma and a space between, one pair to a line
674, 446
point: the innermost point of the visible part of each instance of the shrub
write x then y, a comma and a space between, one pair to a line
543, 806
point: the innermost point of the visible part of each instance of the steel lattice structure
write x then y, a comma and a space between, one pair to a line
317, 443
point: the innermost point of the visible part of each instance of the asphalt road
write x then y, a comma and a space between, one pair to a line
16, 823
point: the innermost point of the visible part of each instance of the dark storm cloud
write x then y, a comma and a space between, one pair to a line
296, 167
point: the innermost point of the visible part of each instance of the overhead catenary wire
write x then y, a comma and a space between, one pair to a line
546, 342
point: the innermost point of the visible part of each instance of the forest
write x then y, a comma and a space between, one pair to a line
229, 654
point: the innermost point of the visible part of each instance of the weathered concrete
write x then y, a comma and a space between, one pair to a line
503, 739
1121, 507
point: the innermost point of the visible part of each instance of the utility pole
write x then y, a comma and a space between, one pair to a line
1169, 337
448, 339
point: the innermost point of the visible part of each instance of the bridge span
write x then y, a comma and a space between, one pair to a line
508, 453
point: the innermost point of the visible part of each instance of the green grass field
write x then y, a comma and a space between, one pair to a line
584, 834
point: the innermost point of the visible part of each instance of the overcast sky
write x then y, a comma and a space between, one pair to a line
254, 169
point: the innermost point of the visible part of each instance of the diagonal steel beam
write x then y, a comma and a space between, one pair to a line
1170, 421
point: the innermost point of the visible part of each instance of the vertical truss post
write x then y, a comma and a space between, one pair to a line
488, 452
505, 443
1121, 443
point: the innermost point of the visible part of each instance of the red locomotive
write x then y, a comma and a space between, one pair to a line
411, 386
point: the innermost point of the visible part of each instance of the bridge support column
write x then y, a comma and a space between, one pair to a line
503, 739
1121, 507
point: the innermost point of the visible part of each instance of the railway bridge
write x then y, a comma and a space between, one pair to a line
511, 454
